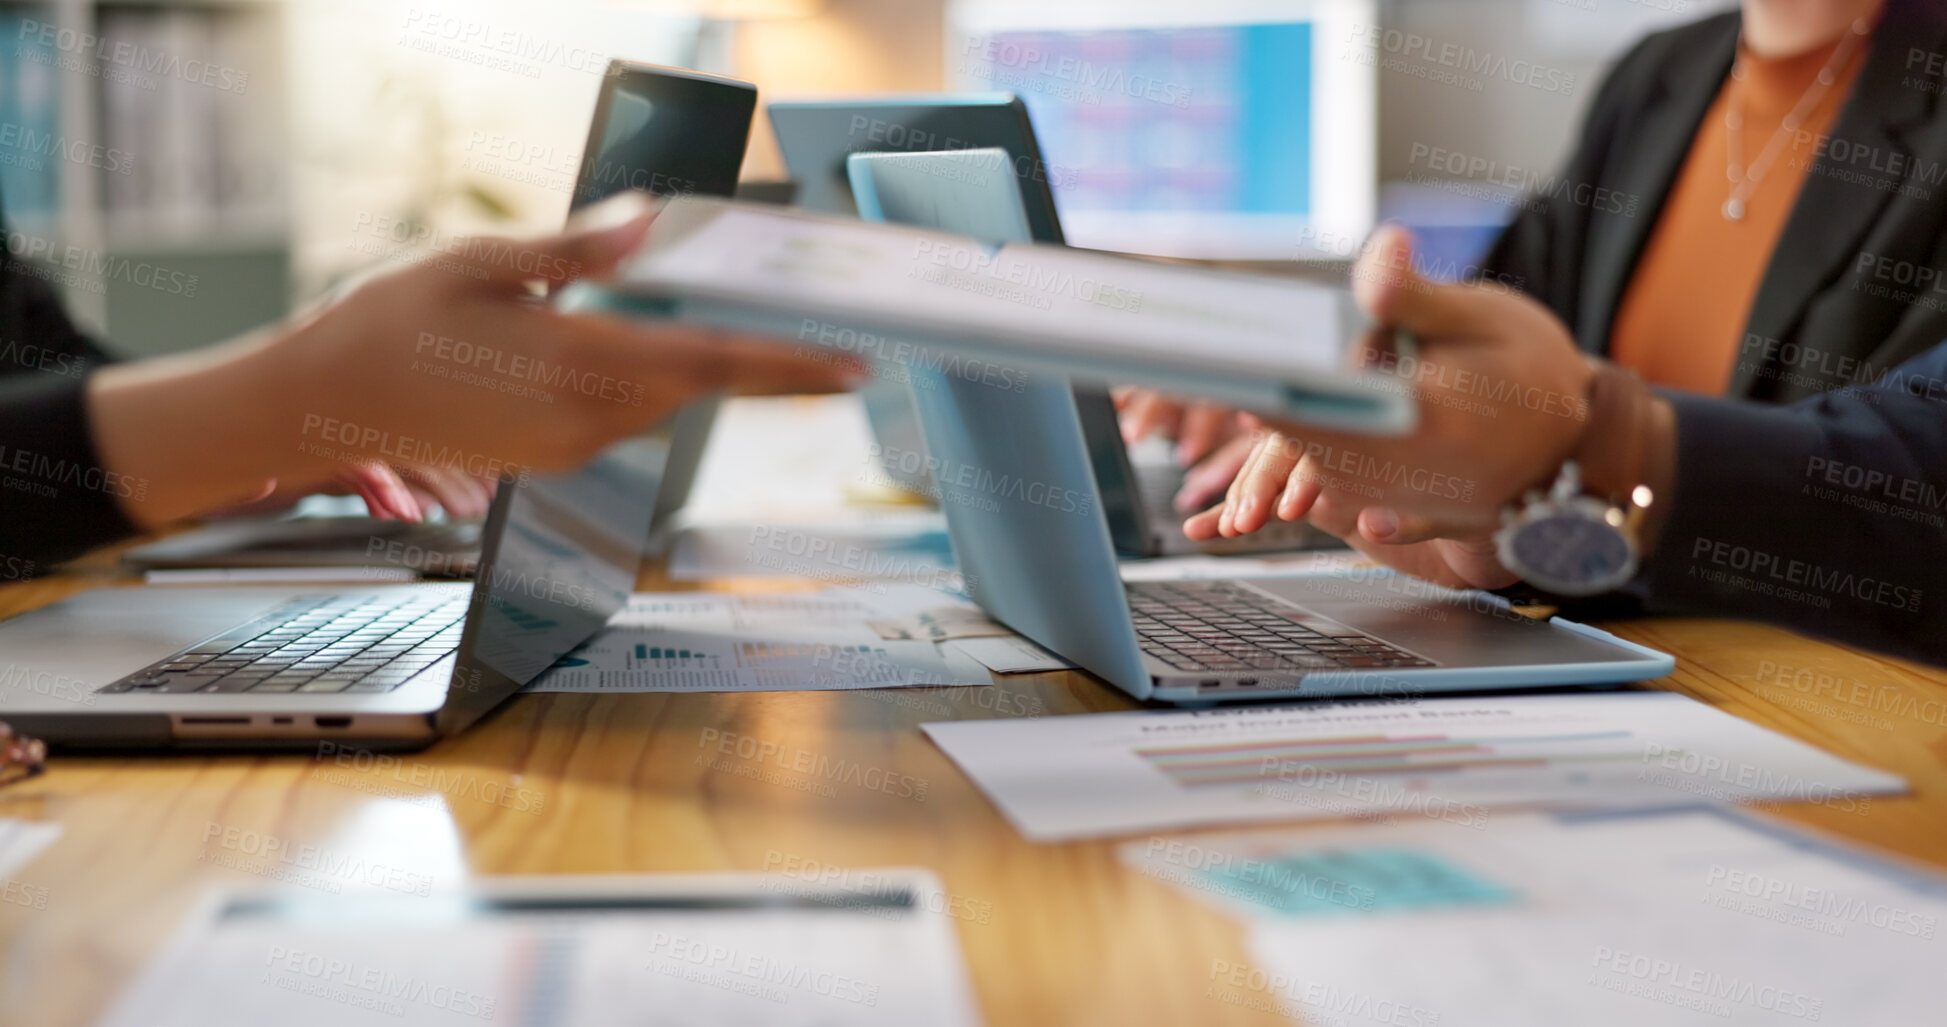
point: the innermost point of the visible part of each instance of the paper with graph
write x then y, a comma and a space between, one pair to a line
762, 642
1455, 759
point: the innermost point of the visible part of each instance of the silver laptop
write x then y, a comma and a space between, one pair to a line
1030, 530
380, 667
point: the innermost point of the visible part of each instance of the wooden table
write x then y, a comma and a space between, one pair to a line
1053, 934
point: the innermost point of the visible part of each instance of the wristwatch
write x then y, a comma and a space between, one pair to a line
1566, 542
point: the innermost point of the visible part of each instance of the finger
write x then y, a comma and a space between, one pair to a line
1302, 489
1201, 430
1150, 413
1261, 483
1394, 295
1234, 492
691, 359
1394, 527
605, 234
458, 494
1207, 481
1203, 527
385, 496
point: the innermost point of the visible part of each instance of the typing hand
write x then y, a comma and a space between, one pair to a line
1507, 406
1198, 427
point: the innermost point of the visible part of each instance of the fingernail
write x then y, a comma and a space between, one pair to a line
1382, 524
1248, 507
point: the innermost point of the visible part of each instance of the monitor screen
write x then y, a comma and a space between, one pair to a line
1234, 130
665, 131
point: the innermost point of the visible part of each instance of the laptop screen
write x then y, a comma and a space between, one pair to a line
559, 553
665, 131
559, 558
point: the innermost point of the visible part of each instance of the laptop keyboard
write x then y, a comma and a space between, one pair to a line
1213, 625
315, 644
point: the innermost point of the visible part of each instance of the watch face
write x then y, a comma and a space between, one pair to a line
1566, 549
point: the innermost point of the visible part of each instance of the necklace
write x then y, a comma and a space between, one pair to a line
1744, 180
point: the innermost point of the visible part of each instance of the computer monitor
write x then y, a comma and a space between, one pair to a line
1228, 128
816, 137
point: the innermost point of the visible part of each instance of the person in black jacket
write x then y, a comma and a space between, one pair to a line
1825, 515
92, 451
1870, 208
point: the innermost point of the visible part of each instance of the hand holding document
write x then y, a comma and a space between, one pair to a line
937, 300
1454, 759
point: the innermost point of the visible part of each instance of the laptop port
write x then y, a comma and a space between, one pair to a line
332, 721
1246, 682
1212, 683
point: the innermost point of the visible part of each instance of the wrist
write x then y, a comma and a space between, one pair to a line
1627, 443
199, 430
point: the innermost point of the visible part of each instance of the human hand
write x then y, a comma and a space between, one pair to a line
1198, 427
1502, 396
390, 493
453, 363
1207, 482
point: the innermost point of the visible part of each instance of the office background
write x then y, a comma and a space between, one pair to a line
187, 169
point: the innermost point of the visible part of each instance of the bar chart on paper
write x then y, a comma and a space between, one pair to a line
1409, 755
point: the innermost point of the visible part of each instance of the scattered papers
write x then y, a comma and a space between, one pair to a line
792, 641
22, 840
1684, 916
1011, 655
939, 624
757, 950
901, 545
1113, 773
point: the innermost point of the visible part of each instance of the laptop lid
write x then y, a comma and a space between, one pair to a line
818, 137
668, 131
559, 556
559, 553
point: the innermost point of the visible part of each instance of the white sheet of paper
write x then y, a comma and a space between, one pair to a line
1685, 917
900, 545
22, 840
757, 950
1090, 301
1113, 773
761, 642
1010, 654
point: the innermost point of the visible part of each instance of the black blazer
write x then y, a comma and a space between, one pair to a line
1831, 310
55, 500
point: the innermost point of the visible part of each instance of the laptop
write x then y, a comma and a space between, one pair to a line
385, 667
1049, 570
817, 138
394, 666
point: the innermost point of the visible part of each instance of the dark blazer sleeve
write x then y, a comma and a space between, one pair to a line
1828, 516
56, 500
